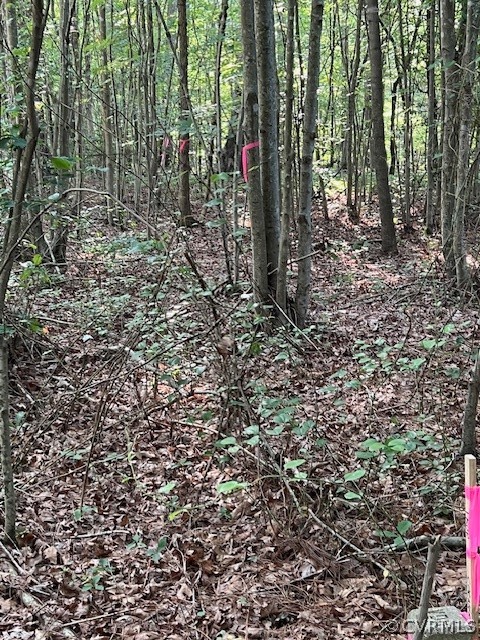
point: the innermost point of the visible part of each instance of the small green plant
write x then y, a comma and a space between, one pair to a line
34, 273
395, 537
136, 543
231, 486
93, 579
156, 552
294, 465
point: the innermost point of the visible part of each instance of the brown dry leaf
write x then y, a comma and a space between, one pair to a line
184, 592
384, 605
51, 554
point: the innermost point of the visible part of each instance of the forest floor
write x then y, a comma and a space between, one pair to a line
185, 472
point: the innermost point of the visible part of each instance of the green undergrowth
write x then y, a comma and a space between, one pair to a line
278, 407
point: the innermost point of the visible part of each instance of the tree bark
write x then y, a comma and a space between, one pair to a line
109, 177
23, 164
186, 218
288, 161
379, 153
465, 100
450, 132
254, 192
432, 140
469, 439
268, 129
302, 298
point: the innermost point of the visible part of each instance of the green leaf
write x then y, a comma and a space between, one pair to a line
351, 495
303, 428
353, 384
61, 163
19, 143
429, 343
354, 475
37, 259
365, 455
403, 526
416, 364
276, 431
230, 440
253, 429
167, 487
448, 328
231, 486
396, 444
294, 464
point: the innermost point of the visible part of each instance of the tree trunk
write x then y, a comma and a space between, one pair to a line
22, 168
351, 147
379, 153
186, 218
288, 161
432, 141
465, 100
469, 438
302, 298
251, 154
450, 131
268, 128
64, 127
222, 22
109, 177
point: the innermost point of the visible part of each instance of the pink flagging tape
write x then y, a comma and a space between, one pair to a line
184, 143
472, 495
245, 150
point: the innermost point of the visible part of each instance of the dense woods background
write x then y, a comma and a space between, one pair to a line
239, 313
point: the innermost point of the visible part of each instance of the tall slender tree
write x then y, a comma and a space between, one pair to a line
287, 204
450, 131
302, 298
186, 218
379, 153
432, 139
22, 166
268, 129
251, 154
462, 191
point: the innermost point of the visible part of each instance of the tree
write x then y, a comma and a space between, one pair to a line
379, 153
432, 137
268, 131
251, 155
287, 204
63, 132
23, 150
306, 174
469, 423
465, 121
186, 218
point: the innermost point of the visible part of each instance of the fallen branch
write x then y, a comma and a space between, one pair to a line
453, 543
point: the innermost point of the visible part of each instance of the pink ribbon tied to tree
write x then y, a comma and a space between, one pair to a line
245, 150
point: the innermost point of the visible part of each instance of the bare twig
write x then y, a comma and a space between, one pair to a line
432, 559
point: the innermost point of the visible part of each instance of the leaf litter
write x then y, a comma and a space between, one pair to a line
184, 472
